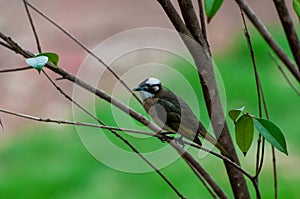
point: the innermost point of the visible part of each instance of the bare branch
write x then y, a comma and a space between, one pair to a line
174, 17
269, 39
5, 45
48, 120
202, 19
16, 69
86, 49
191, 21
237, 166
205, 184
274, 173
259, 158
284, 75
289, 29
1, 124
202, 172
39, 48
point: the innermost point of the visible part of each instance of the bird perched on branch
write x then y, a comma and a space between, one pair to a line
172, 113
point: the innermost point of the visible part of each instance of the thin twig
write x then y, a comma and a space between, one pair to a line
204, 174
289, 29
202, 19
237, 166
49, 120
259, 157
208, 188
16, 69
38, 45
274, 173
259, 92
285, 75
86, 49
1, 124
268, 38
261, 161
5, 45
117, 135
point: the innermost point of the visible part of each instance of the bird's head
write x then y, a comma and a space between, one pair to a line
149, 88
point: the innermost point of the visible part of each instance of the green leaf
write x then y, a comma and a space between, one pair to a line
271, 133
37, 62
244, 129
235, 113
53, 57
296, 6
211, 8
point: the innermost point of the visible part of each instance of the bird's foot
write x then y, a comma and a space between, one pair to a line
179, 141
164, 136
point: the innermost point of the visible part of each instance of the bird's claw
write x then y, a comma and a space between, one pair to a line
164, 137
179, 141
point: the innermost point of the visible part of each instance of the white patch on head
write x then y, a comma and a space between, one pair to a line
152, 81
146, 95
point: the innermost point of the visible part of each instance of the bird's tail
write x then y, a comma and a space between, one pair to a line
212, 140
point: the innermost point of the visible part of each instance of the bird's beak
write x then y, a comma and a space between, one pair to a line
139, 88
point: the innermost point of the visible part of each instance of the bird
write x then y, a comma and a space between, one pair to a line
172, 113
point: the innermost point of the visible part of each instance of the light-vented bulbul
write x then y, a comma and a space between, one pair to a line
172, 113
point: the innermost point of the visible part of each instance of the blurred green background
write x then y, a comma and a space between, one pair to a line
50, 162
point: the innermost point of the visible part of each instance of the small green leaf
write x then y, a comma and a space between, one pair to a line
211, 8
296, 6
244, 129
235, 113
271, 133
37, 62
52, 57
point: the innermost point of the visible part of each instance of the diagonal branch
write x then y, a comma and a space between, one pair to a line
289, 29
202, 19
191, 21
268, 38
15, 69
38, 44
285, 75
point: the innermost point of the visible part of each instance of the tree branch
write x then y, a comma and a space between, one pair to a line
212, 99
15, 69
285, 76
191, 21
289, 29
39, 48
268, 38
202, 19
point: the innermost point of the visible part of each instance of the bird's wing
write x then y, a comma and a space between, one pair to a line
169, 114
177, 116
